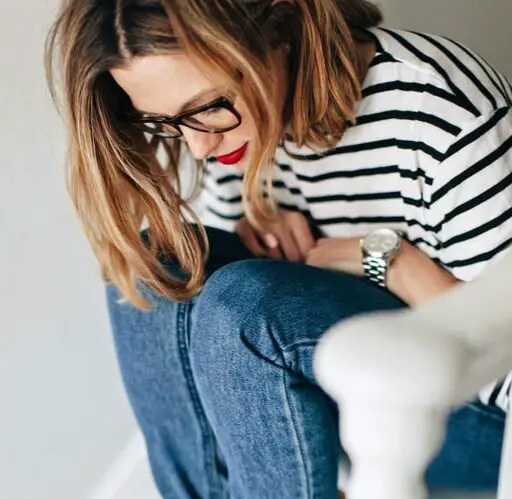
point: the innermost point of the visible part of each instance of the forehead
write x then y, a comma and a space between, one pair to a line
161, 84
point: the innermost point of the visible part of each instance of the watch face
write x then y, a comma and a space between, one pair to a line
381, 242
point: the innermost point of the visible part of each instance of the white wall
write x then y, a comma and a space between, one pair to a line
63, 416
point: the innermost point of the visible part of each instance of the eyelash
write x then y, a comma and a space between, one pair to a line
213, 110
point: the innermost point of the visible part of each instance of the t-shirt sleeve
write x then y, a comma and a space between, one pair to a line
470, 207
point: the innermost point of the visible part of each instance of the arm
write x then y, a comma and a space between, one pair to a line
413, 276
469, 210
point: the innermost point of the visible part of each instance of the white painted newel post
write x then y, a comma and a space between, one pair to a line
397, 375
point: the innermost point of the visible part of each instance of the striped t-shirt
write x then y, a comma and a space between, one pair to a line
430, 154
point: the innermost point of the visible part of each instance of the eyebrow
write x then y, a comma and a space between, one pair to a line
195, 101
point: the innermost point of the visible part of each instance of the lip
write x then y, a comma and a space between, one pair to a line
233, 157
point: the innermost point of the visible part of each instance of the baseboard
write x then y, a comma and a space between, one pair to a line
129, 476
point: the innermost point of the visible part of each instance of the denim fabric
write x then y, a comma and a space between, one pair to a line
223, 389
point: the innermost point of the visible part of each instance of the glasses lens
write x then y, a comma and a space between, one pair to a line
216, 119
162, 129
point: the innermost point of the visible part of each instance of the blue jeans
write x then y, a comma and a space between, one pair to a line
223, 389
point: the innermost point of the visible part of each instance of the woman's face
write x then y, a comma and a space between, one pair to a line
171, 84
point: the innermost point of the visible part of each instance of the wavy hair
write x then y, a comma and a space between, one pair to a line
114, 175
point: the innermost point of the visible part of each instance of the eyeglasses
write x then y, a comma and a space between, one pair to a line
218, 116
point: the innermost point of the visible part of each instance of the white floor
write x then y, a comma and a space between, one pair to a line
130, 478
141, 486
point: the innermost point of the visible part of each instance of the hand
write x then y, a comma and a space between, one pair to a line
289, 238
340, 254
412, 276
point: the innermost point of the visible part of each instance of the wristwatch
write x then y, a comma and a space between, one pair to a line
380, 247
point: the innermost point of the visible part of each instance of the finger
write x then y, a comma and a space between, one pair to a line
255, 246
270, 241
311, 258
302, 235
271, 244
248, 237
316, 257
289, 245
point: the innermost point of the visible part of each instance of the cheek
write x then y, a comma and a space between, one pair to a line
245, 131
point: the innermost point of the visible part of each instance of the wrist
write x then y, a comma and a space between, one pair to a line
379, 251
397, 274
415, 278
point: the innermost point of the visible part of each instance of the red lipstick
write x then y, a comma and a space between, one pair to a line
234, 157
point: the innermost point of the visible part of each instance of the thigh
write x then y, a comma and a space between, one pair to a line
470, 457
153, 354
152, 346
281, 309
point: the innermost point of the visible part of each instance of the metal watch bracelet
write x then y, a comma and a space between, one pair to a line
375, 270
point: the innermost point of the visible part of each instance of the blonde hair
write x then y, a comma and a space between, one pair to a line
114, 177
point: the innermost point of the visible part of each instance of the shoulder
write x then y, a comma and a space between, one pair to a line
447, 69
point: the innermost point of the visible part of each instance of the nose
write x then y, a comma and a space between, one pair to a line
201, 144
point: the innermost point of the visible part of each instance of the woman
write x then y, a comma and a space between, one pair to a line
312, 129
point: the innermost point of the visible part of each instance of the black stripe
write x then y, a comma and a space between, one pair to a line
484, 67
462, 67
359, 220
226, 179
476, 134
362, 146
376, 196
376, 41
496, 391
472, 170
481, 229
412, 87
279, 184
412, 222
415, 174
465, 102
223, 199
382, 58
287, 206
409, 115
417, 203
478, 200
505, 83
283, 166
420, 146
483, 257
297, 191
369, 146
224, 216
509, 83
363, 172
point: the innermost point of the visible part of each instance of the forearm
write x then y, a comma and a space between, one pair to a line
415, 278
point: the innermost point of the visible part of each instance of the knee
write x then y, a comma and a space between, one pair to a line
238, 290
247, 285
236, 312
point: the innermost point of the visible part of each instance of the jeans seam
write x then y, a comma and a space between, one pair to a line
298, 436
209, 445
487, 411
